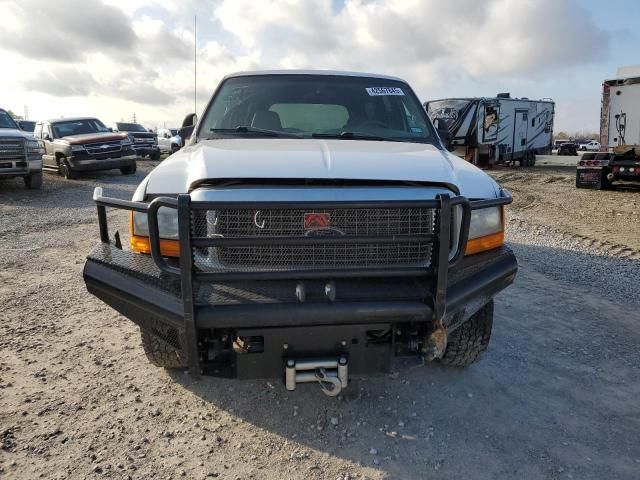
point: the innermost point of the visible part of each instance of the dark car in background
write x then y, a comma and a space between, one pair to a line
145, 143
568, 148
74, 145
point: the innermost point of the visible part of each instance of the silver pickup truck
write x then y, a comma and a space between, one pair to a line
314, 227
20, 153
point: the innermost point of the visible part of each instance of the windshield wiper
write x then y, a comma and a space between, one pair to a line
354, 136
259, 131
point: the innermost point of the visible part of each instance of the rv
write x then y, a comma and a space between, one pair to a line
501, 129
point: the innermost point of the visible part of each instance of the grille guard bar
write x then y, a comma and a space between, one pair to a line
443, 205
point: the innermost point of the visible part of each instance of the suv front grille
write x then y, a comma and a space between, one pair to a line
12, 150
335, 223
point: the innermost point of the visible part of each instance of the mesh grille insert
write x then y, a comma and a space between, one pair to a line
334, 223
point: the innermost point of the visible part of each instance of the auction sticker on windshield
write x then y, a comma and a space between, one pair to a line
377, 91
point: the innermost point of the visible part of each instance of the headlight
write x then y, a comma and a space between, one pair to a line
168, 227
34, 148
167, 223
486, 230
77, 148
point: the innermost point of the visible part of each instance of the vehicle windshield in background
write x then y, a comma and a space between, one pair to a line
174, 131
6, 121
27, 125
307, 106
130, 127
78, 127
448, 111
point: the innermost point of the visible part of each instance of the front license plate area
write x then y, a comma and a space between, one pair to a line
366, 346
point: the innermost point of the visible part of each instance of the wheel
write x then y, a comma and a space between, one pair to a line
466, 343
155, 156
174, 148
65, 169
130, 170
33, 181
160, 352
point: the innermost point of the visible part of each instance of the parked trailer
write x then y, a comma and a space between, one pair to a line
619, 158
489, 131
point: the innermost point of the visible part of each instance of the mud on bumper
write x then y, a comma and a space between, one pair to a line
190, 310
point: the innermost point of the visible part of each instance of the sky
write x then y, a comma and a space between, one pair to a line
116, 58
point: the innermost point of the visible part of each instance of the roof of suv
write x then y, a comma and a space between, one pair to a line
312, 72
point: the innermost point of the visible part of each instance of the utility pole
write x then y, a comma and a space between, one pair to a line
134, 117
195, 64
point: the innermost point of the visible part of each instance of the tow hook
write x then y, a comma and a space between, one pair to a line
331, 374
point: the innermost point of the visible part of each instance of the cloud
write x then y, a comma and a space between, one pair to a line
66, 30
63, 82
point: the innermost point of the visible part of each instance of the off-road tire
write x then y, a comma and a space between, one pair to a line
33, 181
155, 156
467, 342
159, 352
130, 170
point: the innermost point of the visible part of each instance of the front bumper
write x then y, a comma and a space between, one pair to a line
19, 168
86, 163
162, 295
146, 150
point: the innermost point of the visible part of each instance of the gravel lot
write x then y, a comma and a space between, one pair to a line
555, 397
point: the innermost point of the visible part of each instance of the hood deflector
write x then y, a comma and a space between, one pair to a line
309, 182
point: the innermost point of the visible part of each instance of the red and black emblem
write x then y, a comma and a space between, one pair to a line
316, 220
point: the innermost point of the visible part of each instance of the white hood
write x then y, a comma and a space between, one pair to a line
275, 158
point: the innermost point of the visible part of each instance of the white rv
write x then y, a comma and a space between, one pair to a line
488, 131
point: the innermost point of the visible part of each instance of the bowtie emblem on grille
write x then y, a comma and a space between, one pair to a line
316, 220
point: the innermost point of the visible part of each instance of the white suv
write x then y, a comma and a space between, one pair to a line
314, 226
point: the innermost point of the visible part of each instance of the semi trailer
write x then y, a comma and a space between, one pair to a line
619, 155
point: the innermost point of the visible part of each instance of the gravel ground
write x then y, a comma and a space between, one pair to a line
555, 396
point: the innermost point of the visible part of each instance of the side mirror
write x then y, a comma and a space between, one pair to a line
188, 125
46, 137
110, 129
444, 133
150, 130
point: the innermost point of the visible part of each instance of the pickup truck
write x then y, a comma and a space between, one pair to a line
314, 227
76, 145
20, 153
144, 142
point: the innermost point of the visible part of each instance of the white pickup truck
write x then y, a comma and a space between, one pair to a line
314, 227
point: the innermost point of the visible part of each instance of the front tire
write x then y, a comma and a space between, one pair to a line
65, 169
155, 156
159, 352
466, 344
33, 181
130, 170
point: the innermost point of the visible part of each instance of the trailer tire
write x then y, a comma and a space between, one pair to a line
467, 342
159, 352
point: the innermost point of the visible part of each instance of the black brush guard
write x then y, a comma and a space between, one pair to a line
218, 316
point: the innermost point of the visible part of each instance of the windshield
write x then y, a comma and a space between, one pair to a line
27, 125
130, 127
6, 121
308, 106
78, 127
448, 111
174, 131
